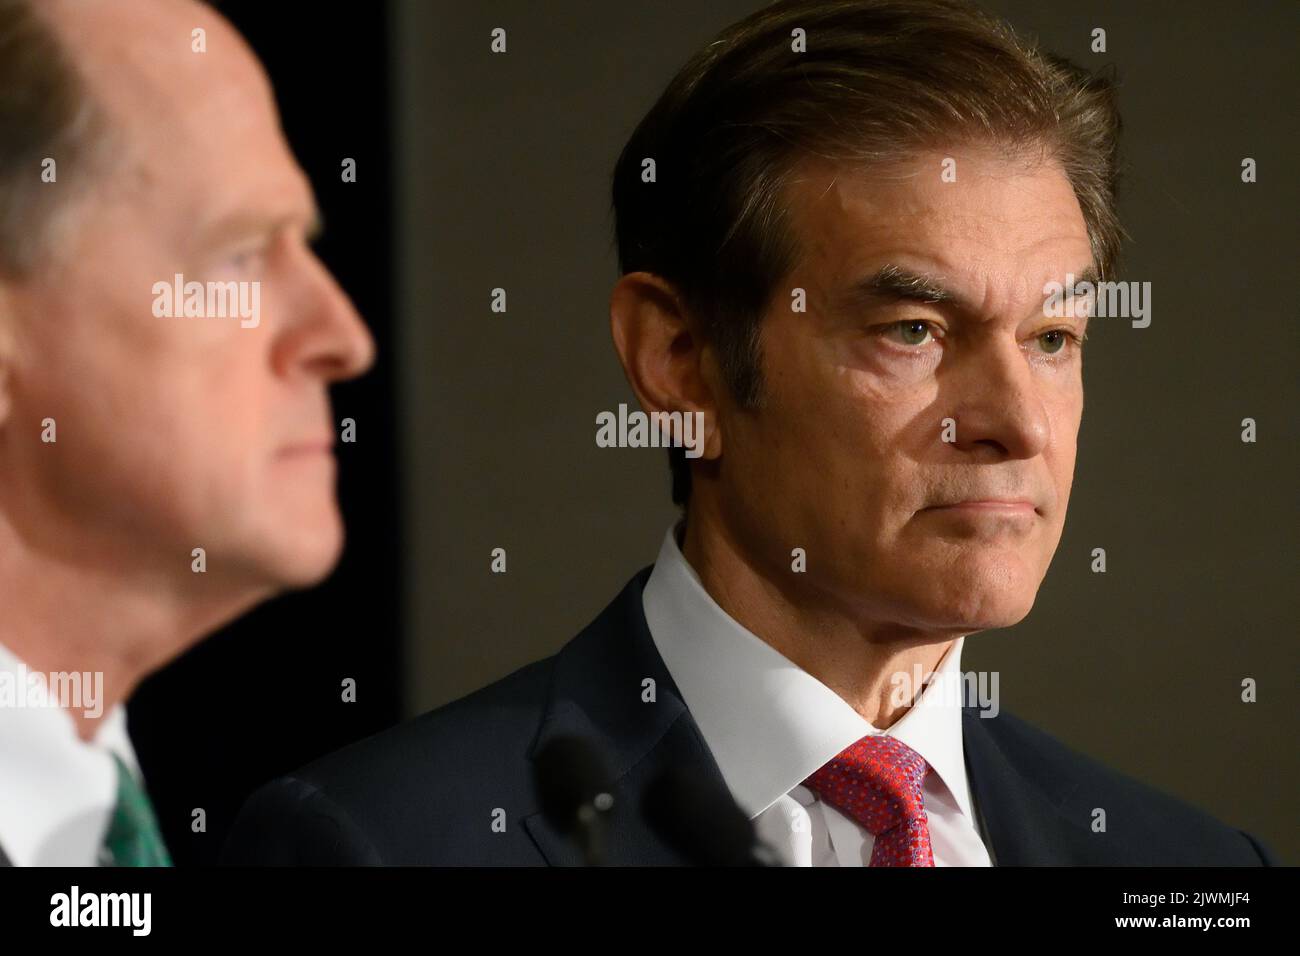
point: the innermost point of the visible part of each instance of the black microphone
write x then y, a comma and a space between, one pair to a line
575, 792
702, 822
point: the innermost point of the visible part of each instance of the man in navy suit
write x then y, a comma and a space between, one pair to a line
840, 229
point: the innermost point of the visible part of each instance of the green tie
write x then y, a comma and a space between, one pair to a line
133, 837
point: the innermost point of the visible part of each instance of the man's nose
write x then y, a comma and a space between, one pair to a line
999, 404
325, 336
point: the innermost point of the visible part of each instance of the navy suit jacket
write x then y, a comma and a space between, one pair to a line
427, 791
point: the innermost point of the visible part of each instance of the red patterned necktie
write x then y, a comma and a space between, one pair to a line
877, 782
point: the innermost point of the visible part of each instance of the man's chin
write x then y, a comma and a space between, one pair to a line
984, 611
301, 557
311, 567
307, 574
966, 605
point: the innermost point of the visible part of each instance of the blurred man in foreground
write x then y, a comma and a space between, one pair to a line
167, 337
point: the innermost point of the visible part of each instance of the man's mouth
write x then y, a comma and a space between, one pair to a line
1007, 505
315, 446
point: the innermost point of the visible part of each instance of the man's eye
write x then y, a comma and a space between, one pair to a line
1055, 340
911, 332
246, 260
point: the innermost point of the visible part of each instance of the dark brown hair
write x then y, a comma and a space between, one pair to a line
880, 79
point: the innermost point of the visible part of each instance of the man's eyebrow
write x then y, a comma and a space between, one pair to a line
255, 224
893, 283
1088, 275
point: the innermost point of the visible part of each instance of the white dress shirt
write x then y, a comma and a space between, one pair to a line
57, 791
770, 725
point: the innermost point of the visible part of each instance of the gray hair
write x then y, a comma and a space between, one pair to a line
46, 112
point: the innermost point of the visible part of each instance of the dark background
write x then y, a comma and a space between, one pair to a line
479, 170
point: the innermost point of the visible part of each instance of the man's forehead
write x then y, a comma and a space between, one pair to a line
140, 63
931, 185
195, 132
1002, 215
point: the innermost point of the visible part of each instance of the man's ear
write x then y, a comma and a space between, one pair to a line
664, 355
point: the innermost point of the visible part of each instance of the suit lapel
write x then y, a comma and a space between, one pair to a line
598, 694
1023, 818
